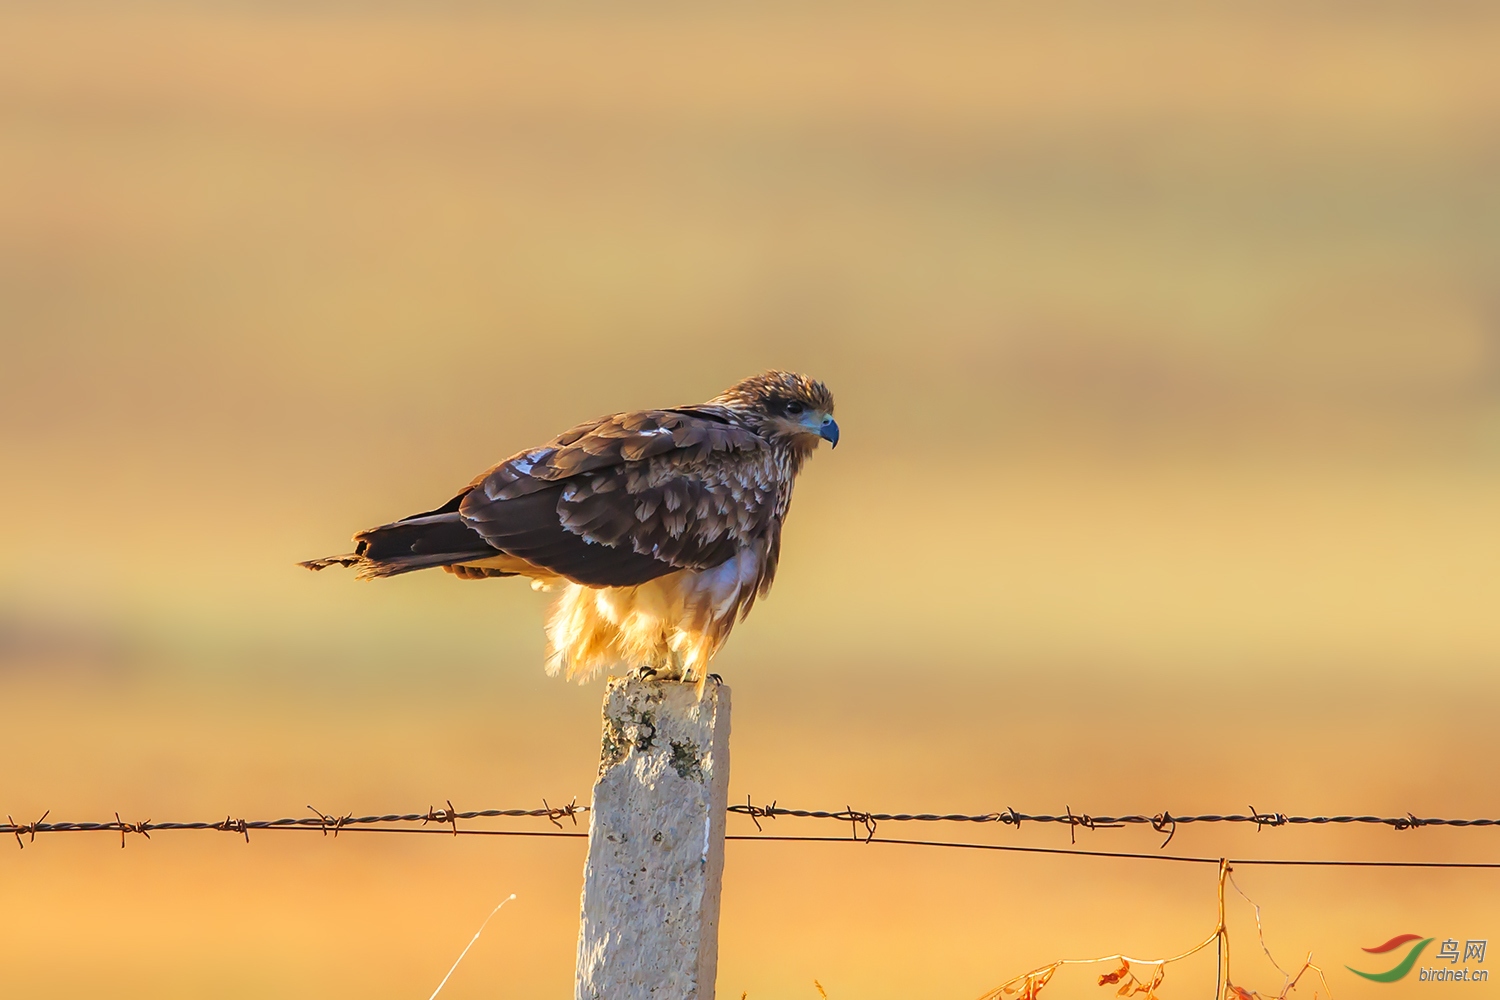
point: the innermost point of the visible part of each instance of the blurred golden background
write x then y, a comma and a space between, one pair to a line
1166, 343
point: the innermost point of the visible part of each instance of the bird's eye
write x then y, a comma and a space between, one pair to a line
794, 409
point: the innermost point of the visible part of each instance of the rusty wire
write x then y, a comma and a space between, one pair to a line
327, 823
314, 827
1128, 855
1162, 822
863, 827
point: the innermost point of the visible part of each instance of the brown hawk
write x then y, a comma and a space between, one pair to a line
659, 527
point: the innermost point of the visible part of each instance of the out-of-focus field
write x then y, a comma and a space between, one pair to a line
1167, 350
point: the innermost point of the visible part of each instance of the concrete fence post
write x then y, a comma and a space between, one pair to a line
650, 921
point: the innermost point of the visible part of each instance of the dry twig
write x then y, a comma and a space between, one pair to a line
1129, 982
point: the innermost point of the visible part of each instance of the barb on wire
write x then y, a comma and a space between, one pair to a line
439, 816
26, 828
570, 811
857, 819
327, 820
144, 829
232, 825
1269, 819
1163, 822
1088, 822
756, 812
1410, 822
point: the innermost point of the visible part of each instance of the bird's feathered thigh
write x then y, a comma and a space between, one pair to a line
673, 624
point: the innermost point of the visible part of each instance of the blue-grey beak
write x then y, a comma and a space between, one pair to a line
829, 431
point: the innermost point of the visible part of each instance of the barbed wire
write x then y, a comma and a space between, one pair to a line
863, 826
1162, 822
324, 822
1130, 855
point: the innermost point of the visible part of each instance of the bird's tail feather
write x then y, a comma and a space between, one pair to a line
418, 542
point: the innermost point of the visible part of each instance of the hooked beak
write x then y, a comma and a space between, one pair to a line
829, 431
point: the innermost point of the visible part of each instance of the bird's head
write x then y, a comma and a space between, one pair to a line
784, 406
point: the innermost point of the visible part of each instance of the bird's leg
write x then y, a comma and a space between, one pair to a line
644, 673
673, 669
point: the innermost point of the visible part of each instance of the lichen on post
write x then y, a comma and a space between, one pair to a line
650, 920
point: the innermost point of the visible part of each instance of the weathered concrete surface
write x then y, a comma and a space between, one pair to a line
650, 923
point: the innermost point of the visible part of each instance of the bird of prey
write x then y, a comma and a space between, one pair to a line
660, 528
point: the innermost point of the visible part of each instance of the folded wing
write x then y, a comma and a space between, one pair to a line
627, 498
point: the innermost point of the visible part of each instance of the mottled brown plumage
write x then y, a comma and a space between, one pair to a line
661, 527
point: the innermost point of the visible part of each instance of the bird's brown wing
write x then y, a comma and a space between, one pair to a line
630, 497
